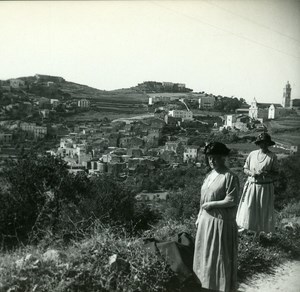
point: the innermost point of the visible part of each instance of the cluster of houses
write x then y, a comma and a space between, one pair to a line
123, 147
21, 99
38, 132
202, 101
154, 86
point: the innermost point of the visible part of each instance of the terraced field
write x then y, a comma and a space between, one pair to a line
285, 130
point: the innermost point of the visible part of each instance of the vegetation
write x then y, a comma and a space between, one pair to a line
87, 266
43, 200
229, 104
94, 228
288, 184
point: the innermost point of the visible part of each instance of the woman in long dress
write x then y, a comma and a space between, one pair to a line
215, 258
256, 208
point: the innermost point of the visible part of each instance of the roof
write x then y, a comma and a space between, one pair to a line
265, 105
277, 104
242, 110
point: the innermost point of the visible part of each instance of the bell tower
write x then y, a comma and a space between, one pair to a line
286, 100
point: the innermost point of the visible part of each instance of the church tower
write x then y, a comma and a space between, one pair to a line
286, 100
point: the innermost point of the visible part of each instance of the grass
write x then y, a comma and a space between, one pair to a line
84, 265
262, 254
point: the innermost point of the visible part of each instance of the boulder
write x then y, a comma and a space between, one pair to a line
118, 264
292, 223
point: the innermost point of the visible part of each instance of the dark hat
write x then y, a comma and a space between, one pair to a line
216, 148
264, 137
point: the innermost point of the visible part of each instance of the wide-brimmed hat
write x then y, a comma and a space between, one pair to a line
264, 137
216, 148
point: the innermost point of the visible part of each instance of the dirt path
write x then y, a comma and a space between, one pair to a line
285, 278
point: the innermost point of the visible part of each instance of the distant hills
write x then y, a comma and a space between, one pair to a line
56, 87
16, 91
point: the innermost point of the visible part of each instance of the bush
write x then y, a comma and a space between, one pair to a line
184, 203
288, 184
291, 209
44, 200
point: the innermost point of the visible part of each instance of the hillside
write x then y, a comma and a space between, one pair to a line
34, 88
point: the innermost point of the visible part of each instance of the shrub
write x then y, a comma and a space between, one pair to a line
291, 209
288, 183
184, 203
44, 200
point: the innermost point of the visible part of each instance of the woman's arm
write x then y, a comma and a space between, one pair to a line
226, 203
247, 170
230, 200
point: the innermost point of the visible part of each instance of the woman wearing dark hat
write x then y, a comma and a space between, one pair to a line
256, 208
215, 257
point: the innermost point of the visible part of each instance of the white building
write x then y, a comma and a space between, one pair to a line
236, 121
54, 102
258, 110
83, 103
38, 131
184, 115
164, 97
275, 111
190, 153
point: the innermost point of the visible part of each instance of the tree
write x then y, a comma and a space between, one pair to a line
29, 181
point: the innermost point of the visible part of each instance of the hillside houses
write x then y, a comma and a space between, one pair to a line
122, 149
154, 86
38, 131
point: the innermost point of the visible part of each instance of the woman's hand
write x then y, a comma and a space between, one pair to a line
208, 206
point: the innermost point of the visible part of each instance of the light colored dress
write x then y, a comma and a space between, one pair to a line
256, 208
215, 257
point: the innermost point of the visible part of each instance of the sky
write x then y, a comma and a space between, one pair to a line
236, 48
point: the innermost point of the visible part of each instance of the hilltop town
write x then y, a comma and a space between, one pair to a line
86, 173
120, 132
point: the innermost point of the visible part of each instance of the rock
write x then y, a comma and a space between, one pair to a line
119, 264
292, 223
52, 255
294, 220
291, 226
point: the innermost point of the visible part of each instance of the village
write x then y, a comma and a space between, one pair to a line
172, 131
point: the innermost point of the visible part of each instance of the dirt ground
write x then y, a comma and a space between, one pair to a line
285, 278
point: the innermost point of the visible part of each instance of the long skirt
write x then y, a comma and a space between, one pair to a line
215, 257
256, 208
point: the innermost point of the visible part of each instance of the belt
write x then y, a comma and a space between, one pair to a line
262, 183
